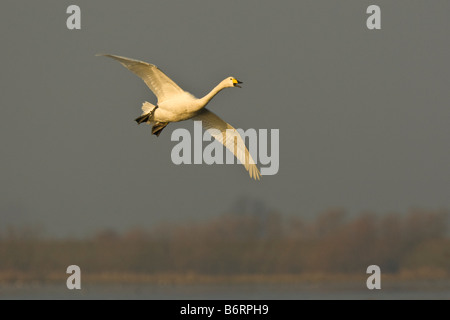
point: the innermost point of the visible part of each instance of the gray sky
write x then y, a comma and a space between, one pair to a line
364, 116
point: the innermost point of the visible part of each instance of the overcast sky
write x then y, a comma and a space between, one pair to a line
364, 116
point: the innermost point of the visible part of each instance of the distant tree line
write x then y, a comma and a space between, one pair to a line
244, 243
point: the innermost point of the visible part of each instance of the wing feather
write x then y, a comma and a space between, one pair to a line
237, 147
162, 86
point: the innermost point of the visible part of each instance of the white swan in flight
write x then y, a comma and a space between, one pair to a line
175, 104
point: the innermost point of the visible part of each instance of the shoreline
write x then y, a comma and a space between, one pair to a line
423, 277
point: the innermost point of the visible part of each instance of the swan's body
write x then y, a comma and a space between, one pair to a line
178, 108
175, 104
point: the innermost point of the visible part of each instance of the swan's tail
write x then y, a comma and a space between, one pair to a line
147, 112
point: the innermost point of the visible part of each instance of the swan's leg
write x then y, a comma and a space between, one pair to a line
145, 117
158, 127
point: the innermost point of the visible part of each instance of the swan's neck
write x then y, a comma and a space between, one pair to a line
211, 95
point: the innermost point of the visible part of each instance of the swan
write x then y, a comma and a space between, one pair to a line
174, 105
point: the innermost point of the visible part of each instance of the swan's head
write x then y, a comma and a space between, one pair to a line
231, 82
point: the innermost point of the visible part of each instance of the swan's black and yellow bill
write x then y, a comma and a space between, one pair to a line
235, 83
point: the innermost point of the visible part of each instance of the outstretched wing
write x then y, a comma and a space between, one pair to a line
232, 142
161, 85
